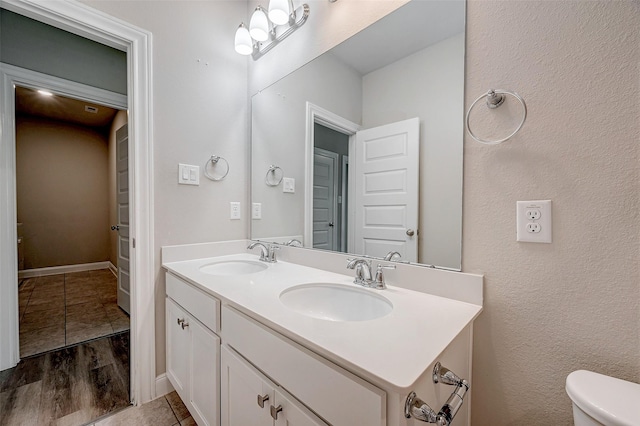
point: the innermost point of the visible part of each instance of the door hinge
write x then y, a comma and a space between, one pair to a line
133, 241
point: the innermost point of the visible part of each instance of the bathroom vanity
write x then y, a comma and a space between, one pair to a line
253, 343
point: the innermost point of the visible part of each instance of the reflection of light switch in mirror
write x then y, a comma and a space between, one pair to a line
289, 185
256, 210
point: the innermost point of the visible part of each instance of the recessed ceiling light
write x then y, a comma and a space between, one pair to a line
45, 93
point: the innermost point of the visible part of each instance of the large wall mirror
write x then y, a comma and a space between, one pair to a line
360, 150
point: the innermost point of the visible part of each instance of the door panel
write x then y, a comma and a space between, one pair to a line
122, 194
325, 199
386, 195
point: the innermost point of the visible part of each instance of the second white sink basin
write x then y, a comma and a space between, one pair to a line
233, 267
335, 302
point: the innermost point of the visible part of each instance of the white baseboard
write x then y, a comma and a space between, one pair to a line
113, 269
55, 270
163, 385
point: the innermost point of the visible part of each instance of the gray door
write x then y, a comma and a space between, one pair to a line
122, 194
325, 199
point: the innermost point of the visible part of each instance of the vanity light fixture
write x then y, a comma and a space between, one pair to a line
266, 29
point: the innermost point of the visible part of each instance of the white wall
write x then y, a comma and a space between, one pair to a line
199, 109
278, 136
428, 84
575, 303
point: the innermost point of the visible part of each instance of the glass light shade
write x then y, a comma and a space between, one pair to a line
243, 42
279, 11
259, 25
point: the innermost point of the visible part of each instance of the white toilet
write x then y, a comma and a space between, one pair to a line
603, 400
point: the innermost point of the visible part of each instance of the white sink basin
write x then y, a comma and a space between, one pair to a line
335, 302
233, 267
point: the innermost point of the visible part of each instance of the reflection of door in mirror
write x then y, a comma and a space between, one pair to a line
386, 196
331, 151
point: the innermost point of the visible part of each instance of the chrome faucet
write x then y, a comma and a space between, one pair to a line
363, 271
392, 255
294, 243
267, 252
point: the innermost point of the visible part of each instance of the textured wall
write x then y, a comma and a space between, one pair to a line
61, 191
572, 304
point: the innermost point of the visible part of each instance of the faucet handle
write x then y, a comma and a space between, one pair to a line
271, 255
378, 281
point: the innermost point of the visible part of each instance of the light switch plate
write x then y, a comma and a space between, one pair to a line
188, 174
533, 221
289, 185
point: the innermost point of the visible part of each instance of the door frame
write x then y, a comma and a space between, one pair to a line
316, 114
90, 23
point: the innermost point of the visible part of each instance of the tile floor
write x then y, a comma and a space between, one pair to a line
167, 410
65, 309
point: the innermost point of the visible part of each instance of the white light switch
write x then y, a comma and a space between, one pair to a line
235, 210
533, 221
256, 211
188, 174
289, 185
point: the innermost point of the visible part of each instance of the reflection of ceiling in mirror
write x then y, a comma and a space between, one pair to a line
414, 26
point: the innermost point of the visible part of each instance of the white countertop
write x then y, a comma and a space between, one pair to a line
394, 350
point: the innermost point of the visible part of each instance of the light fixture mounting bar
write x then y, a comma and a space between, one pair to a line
260, 48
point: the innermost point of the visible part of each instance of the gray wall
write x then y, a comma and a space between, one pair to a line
30, 44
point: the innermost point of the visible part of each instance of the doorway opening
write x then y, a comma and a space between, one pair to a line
68, 180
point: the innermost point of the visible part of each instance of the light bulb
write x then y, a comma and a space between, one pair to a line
279, 11
243, 42
259, 25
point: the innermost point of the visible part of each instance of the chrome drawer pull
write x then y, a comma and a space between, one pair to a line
262, 399
275, 411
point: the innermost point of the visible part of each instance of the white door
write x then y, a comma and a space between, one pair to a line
325, 199
292, 413
385, 199
245, 397
177, 349
204, 375
122, 195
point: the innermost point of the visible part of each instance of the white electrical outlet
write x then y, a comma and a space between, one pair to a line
289, 185
188, 174
533, 221
256, 211
235, 210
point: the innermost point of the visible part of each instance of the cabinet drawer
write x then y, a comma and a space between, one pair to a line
204, 307
338, 396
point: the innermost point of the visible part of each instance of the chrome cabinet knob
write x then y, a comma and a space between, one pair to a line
180, 321
262, 399
184, 324
410, 232
275, 411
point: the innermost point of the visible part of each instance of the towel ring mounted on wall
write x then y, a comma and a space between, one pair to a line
271, 178
495, 98
214, 160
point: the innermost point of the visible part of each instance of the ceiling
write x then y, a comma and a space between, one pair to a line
409, 29
61, 108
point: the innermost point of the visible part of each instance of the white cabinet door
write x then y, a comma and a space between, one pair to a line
193, 354
241, 390
177, 349
294, 414
204, 396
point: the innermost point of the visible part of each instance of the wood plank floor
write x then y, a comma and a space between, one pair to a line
69, 386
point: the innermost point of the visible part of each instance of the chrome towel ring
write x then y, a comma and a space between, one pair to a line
495, 98
271, 178
214, 160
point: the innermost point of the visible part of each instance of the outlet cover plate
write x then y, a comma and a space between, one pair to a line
525, 210
234, 213
256, 210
